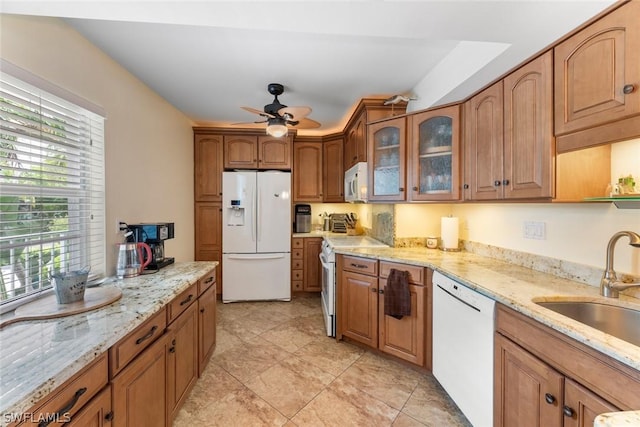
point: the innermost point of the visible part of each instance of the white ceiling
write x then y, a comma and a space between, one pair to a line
209, 58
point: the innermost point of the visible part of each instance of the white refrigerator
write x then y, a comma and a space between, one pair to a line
256, 236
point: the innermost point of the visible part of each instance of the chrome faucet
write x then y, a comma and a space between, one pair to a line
610, 286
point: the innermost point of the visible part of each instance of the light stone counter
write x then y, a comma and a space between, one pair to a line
38, 356
517, 287
618, 419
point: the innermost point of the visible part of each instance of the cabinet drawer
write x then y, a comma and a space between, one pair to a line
297, 264
130, 346
416, 273
296, 253
297, 274
72, 396
181, 302
296, 285
297, 243
206, 281
361, 265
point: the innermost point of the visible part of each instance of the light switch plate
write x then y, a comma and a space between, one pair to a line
534, 230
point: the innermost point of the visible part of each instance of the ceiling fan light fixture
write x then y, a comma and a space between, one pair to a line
277, 128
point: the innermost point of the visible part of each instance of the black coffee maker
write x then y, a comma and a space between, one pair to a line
302, 219
154, 235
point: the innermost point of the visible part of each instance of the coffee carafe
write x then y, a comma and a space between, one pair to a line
131, 260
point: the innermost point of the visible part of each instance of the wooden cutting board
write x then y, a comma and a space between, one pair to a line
48, 307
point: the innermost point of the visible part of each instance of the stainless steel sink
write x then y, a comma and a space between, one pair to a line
621, 322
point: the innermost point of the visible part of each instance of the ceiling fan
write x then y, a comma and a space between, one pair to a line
278, 116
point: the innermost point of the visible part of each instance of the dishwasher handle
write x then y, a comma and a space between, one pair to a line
459, 299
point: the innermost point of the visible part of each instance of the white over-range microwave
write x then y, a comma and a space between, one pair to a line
355, 183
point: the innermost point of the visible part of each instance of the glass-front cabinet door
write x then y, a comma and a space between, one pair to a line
387, 144
435, 154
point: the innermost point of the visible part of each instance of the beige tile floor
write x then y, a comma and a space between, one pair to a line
275, 366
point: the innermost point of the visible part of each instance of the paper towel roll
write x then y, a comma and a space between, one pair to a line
449, 232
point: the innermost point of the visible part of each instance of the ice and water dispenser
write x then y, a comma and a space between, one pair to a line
235, 213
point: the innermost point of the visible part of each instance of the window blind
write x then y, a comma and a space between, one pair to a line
52, 214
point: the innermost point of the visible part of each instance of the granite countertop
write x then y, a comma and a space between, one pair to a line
517, 287
38, 356
317, 234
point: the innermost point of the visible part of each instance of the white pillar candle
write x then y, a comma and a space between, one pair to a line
449, 232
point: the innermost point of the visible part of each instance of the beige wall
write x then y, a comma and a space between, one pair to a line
149, 148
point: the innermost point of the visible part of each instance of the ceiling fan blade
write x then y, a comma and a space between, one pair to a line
295, 113
256, 111
306, 124
248, 123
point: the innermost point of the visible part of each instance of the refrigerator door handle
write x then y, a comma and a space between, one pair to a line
259, 213
253, 256
254, 217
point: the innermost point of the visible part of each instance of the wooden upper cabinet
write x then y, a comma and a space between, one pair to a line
387, 159
274, 153
484, 144
333, 170
240, 152
434, 139
208, 168
307, 172
355, 148
529, 147
597, 76
509, 136
257, 152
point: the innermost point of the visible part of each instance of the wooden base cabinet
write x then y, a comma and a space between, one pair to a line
306, 270
139, 392
206, 326
541, 377
96, 413
361, 309
182, 361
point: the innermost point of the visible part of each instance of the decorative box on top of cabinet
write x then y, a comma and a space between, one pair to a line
597, 81
387, 158
509, 136
434, 139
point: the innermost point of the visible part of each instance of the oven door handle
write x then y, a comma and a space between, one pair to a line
323, 261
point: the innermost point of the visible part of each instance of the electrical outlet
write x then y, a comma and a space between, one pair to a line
534, 230
120, 226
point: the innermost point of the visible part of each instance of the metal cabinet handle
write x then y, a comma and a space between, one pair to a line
550, 398
149, 335
53, 417
358, 265
209, 280
109, 416
628, 89
401, 189
202, 310
465, 186
505, 182
496, 183
187, 300
381, 291
567, 411
415, 188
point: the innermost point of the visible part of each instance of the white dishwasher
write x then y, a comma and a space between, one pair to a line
463, 324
